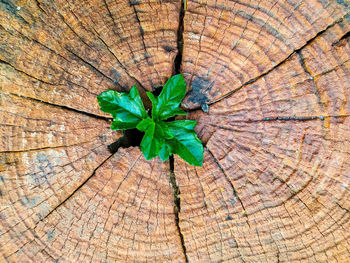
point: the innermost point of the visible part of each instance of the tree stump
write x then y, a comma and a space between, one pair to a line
268, 83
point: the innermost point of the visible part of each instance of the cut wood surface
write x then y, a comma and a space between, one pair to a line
268, 83
244, 40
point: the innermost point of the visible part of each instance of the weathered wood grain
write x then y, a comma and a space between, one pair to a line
229, 43
75, 51
283, 142
294, 185
274, 186
123, 213
46, 153
310, 85
211, 212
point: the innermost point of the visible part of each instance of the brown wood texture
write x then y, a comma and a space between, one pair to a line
272, 79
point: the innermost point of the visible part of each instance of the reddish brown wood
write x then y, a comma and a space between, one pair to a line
283, 142
229, 43
274, 186
124, 212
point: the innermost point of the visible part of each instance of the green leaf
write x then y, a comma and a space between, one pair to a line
185, 142
122, 125
168, 101
153, 140
165, 152
143, 125
126, 108
184, 124
160, 138
167, 132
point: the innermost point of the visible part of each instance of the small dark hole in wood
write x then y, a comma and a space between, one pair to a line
156, 91
132, 137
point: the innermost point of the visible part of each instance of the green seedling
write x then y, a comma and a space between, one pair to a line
161, 136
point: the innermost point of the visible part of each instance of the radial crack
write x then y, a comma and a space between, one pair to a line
28, 75
120, 64
77, 189
172, 178
300, 118
231, 184
142, 33
177, 204
64, 107
344, 208
43, 148
277, 65
39, 6
180, 31
73, 31
92, 67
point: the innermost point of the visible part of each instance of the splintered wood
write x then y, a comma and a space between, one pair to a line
274, 79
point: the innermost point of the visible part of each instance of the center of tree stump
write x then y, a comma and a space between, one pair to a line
133, 137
